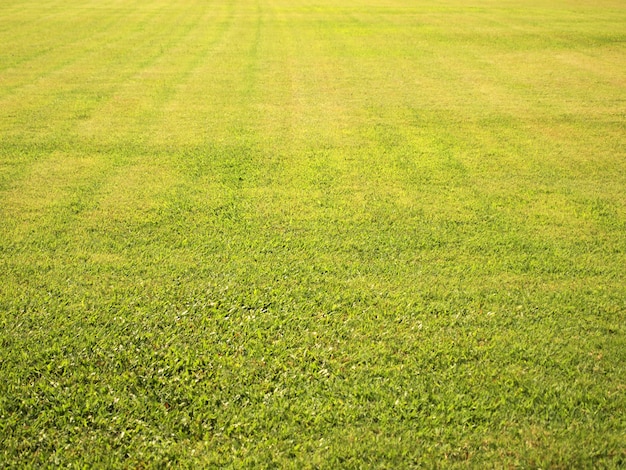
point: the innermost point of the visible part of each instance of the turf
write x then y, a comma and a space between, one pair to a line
312, 234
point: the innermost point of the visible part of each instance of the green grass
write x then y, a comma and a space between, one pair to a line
331, 234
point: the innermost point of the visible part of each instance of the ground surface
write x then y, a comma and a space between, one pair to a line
338, 234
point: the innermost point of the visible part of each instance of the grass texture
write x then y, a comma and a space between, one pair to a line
313, 233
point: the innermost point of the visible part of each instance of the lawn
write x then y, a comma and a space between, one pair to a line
313, 233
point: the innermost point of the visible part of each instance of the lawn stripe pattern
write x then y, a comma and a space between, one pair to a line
343, 234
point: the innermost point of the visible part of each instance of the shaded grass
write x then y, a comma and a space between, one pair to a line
312, 235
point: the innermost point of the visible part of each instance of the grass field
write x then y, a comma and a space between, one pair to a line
313, 233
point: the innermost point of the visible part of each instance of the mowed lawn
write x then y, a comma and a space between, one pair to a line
313, 233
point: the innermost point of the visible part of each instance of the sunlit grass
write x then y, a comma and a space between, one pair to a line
276, 233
